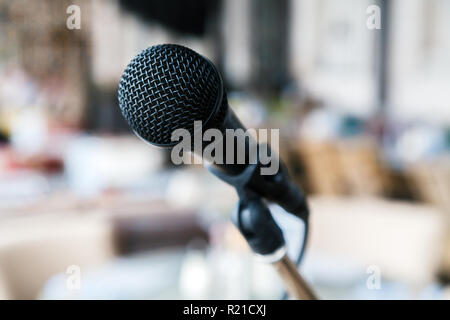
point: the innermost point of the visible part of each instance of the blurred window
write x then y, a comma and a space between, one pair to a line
333, 55
420, 60
332, 52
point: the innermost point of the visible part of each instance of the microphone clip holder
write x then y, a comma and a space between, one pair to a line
252, 216
254, 220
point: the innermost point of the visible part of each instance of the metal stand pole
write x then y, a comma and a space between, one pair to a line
295, 285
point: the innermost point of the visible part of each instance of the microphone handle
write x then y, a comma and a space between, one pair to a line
280, 189
277, 188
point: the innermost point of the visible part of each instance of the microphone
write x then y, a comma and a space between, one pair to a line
168, 87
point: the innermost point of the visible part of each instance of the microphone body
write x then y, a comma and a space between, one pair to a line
277, 188
168, 87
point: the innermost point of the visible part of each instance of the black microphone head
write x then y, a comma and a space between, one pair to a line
168, 87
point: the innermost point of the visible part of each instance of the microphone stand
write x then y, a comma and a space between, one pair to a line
255, 222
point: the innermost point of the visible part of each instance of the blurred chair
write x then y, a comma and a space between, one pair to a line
36, 246
404, 240
32, 249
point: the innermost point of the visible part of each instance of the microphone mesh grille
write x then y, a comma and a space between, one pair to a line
167, 87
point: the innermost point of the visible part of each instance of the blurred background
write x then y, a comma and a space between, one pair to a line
88, 211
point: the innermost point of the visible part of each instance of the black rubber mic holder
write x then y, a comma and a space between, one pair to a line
252, 216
